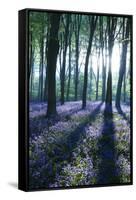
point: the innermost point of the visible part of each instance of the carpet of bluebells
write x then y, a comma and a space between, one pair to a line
78, 147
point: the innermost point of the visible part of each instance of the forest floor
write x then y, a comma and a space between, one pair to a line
78, 147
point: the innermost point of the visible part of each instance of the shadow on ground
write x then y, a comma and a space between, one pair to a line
72, 141
107, 170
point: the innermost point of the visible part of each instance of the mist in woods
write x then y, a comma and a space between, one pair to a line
79, 99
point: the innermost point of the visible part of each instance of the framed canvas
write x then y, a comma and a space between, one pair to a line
75, 99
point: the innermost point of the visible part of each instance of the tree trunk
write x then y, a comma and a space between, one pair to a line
122, 63
77, 32
111, 25
31, 80
64, 60
91, 76
98, 71
31, 66
92, 30
103, 41
124, 87
109, 83
52, 52
42, 64
69, 75
45, 95
31, 53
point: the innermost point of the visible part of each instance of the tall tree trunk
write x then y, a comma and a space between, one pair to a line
77, 33
103, 42
31, 80
45, 95
109, 83
64, 60
124, 87
91, 76
53, 49
69, 74
42, 66
31, 66
122, 62
91, 34
31, 53
98, 71
103, 77
111, 25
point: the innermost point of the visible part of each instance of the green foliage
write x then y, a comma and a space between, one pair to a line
39, 28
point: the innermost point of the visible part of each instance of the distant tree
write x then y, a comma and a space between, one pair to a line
111, 28
103, 44
45, 95
52, 52
31, 65
69, 64
98, 74
92, 26
122, 70
91, 77
41, 65
77, 27
124, 87
64, 58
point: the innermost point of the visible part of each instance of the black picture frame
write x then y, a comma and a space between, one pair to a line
23, 137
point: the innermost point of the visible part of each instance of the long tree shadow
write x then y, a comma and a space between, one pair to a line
37, 124
108, 172
59, 155
120, 111
74, 137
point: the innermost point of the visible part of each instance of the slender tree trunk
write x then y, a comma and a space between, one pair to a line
40, 72
53, 49
103, 41
91, 76
103, 78
109, 82
45, 95
31, 53
64, 61
69, 75
122, 64
77, 33
124, 88
31, 66
31, 80
111, 24
98, 71
92, 30
76, 70
42, 64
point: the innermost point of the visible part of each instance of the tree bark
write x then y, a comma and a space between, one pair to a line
77, 33
53, 48
91, 34
69, 74
103, 43
98, 71
122, 62
31, 66
64, 60
111, 25
45, 95
41, 67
